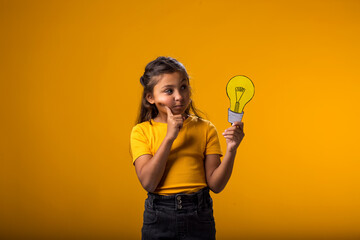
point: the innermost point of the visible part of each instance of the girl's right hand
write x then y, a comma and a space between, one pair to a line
175, 123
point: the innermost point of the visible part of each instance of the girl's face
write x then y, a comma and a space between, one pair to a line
171, 90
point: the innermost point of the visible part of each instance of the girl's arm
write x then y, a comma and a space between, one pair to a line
218, 173
150, 169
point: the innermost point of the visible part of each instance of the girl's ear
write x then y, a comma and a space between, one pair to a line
150, 98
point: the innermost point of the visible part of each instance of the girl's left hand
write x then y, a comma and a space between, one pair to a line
234, 136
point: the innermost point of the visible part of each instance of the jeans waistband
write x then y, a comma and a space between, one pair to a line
180, 201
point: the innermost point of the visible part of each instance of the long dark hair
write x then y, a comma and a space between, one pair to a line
149, 79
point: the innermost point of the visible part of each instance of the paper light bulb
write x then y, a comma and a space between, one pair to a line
240, 90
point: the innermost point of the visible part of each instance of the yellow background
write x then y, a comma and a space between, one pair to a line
70, 94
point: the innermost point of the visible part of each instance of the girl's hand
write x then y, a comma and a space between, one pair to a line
234, 136
175, 123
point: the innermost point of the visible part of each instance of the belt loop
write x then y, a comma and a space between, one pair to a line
151, 201
200, 199
206, 197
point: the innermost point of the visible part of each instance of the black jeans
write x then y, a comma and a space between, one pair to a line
180, 216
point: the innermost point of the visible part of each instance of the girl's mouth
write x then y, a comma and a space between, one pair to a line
178, 106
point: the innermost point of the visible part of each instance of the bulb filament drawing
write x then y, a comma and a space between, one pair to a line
239, 92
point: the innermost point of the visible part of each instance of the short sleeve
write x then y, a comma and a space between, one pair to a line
139, 143
212, 141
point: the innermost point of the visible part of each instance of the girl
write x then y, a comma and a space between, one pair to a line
177, 156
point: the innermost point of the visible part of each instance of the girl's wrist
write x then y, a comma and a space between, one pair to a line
231, 150
169, 140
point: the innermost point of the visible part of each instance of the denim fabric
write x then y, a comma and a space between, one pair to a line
180, 216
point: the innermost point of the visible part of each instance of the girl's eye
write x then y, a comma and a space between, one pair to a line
168, 91
183, 87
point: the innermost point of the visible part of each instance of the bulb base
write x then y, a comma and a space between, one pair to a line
234, 116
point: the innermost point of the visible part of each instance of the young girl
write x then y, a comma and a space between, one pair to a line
177, 156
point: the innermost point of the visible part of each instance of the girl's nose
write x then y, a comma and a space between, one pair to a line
178, 96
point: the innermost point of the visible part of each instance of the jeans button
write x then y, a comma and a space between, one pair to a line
178, 198
179, 206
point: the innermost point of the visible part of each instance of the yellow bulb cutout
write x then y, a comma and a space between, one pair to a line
240, 90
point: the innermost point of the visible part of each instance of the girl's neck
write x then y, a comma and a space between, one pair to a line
159, 120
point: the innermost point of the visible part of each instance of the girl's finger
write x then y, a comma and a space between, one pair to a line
228, 134
178, 117
169, 112
234, 127
229, 139
236, 131
239, 124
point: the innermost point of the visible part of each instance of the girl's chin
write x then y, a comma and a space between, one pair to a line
178, 110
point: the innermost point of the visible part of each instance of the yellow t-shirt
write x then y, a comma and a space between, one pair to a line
184, 172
